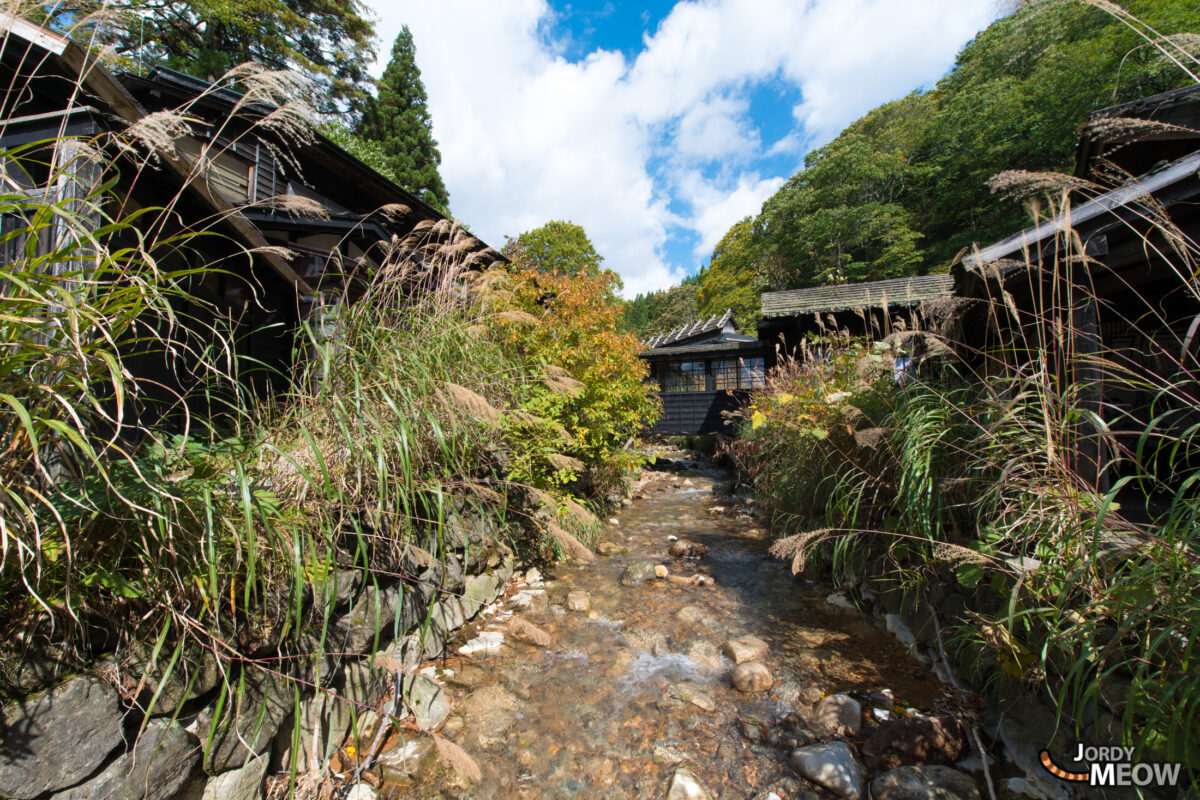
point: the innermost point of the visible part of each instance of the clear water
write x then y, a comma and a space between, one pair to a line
599, 712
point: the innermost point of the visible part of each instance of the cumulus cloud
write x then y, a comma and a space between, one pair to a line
661, 149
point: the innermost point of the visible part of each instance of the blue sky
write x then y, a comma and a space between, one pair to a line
656, 126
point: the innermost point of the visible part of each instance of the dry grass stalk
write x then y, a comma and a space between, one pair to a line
528, 632
463, 765
461, 399
798, 547
570, 545
565, 463
518, 317
580, 515
567, 386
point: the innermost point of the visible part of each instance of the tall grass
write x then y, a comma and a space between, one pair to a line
973, 472
192, 519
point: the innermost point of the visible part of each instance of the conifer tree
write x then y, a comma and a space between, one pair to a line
399, 120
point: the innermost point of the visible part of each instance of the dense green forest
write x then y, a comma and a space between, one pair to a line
903, 190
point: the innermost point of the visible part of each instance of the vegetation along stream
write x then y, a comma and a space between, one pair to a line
616, 679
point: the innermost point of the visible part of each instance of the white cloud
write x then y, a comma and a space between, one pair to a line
527, 136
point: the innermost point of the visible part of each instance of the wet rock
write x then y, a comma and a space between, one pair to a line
58, 738
160, 765
405, 759
682, 548
744, 648
840, 603
243, 783
810, 658
427, 700
915, 741
488, 713
486, 643
579, 601
838, 715
704, 654
660, 571
789, 692
361, 791
533, 575
924, 783
637, 573
532, 599
611, 549
686, 786
753, 730
646, 641
751, 677
668, 755
832, 766
694, 694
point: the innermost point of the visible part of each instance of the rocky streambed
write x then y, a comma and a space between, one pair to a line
683, 663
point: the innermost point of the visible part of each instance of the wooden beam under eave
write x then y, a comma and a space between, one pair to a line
101, 83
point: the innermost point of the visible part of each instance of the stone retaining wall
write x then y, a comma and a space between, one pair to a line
207, 738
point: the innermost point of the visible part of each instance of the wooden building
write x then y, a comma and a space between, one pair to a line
876, 309
1108, 285
291, 221
704, 370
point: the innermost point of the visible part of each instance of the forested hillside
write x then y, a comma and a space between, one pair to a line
903, 190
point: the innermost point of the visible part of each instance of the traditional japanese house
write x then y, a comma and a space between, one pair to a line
1109, 283
704, 370
291, 221
876, 309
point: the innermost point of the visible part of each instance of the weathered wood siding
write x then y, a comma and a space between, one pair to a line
697, 412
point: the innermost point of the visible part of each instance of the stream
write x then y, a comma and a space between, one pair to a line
631, 685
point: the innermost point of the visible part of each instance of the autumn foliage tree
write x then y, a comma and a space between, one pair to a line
595, 388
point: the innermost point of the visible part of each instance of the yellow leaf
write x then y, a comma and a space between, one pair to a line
757, 420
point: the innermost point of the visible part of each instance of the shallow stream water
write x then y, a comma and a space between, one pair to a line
633, 687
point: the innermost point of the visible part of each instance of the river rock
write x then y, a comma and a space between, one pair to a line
915, 741
58, 738
704, 654
682, 548
579, 601
838, 715
160, 765
244, 783
487, 642
361, 791
660, 571
833, 766
924, 783
694, 694
696, 615
636, 573
646, 641
686, 786
744, 648
533, 575
427, 699
488, 712
611, 549
405, 759
751, 677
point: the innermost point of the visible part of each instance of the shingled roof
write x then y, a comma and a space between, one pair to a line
713, 324
823, 299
